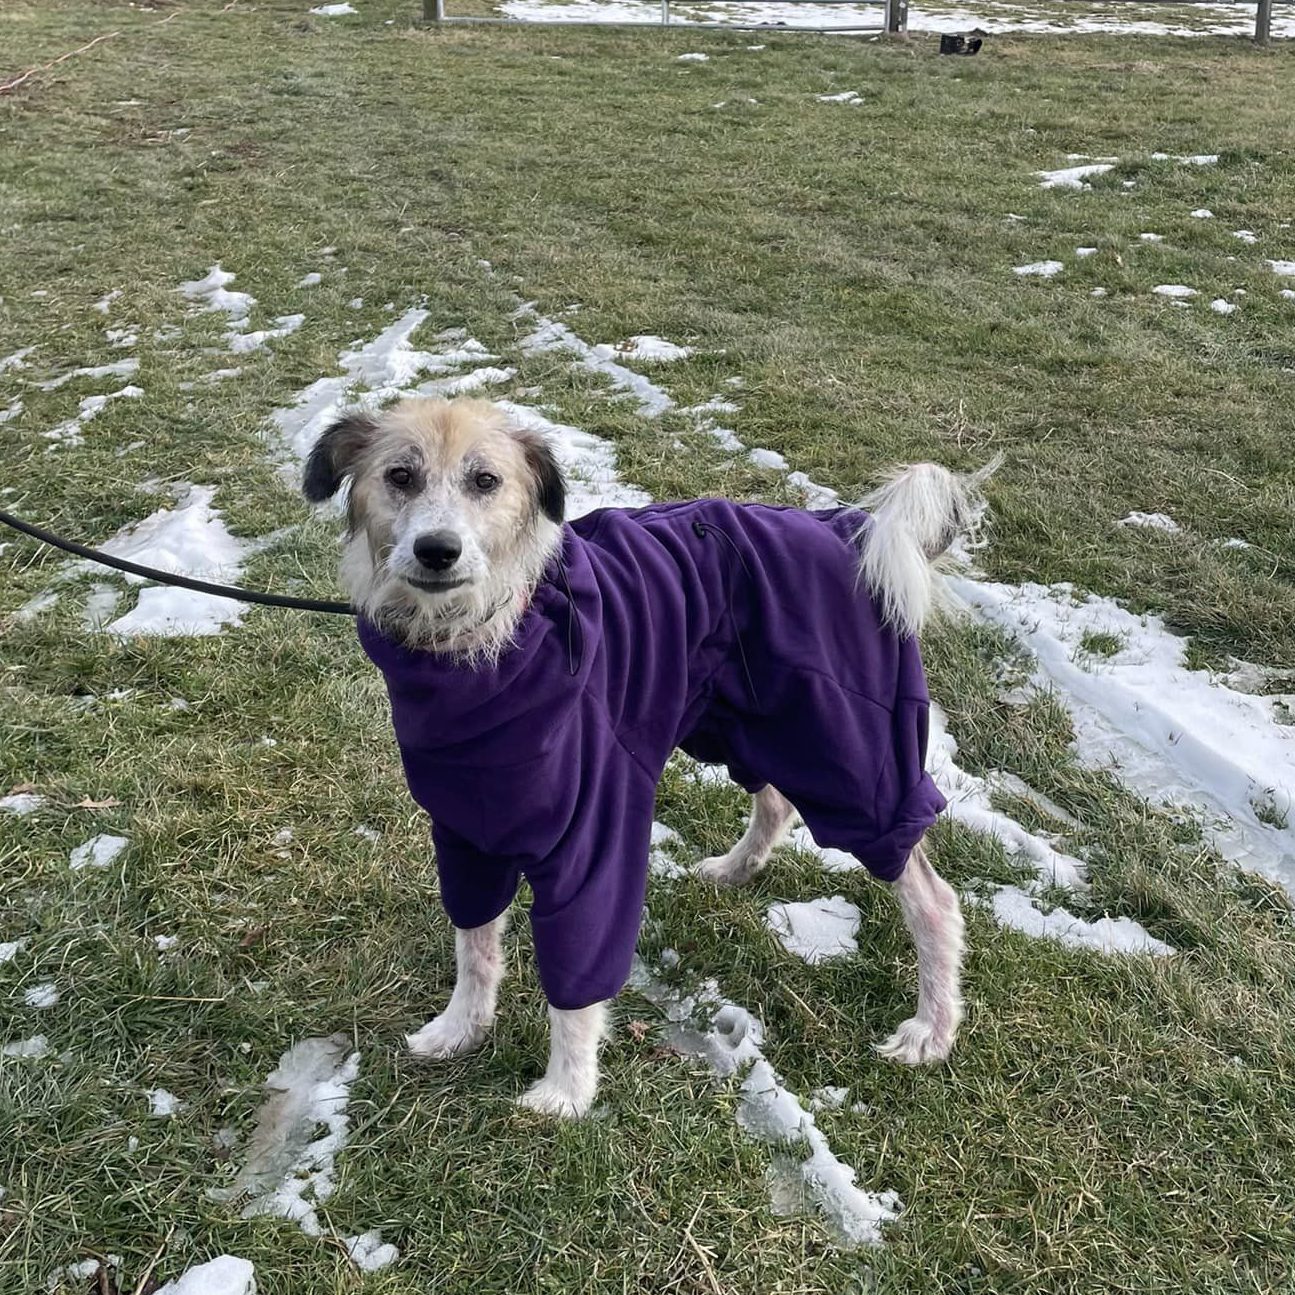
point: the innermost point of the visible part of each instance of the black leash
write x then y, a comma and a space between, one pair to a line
170, 578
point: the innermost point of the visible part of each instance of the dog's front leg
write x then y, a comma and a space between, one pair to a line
466, 1020
571, 1080
934, 919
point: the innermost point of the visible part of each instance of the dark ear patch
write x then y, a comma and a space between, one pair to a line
334, 454
550, 485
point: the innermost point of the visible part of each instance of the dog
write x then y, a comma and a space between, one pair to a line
541, 672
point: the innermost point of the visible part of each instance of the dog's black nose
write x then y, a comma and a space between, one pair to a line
438, 550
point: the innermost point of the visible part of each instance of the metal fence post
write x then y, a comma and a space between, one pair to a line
1263, 21
433, 10
665, 13
897, 16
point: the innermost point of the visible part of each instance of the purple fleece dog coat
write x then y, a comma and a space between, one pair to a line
737, 632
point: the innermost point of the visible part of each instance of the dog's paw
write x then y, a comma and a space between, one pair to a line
447, 1036
916, 1043
549, 1098
729, 869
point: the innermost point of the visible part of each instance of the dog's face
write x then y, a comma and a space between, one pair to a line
452, 512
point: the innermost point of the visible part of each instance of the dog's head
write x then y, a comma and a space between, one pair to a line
453, 513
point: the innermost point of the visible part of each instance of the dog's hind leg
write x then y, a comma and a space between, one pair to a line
934, 919
771, 815
571, 1080
467, 1018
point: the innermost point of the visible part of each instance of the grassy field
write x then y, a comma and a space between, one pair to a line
1106, 1124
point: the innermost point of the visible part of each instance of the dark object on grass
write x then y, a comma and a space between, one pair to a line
950, 44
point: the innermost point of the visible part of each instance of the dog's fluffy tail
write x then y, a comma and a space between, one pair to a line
915, 515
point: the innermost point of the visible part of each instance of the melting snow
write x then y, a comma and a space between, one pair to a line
9, 949
1284, 268
311, 280
970, 804
1220, 306
190, 539
241, 343
1154, 521
21, 802
118, 369
816, 931
224, 1275
846, 96
211, 291
806, 1175
1152, 238
368, 1252
104, 304
41, 996
1044, 269
693, 58
1085, 251
1246, 235
1202, 213
161, 1103
649, 347
768, 459
660, 862
830, 860
69, 433
15, 361
552, 335
1072, 177
97, 852
1178, 290
32, 1049
1176, 736
1016, 910
14, 409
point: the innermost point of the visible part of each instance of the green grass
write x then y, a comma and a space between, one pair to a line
1106, 1125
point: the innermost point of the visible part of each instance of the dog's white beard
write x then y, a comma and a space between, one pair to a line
475, 623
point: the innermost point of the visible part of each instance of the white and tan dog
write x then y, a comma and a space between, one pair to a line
541, 672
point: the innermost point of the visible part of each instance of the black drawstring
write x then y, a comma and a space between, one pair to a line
573, 623
701, 530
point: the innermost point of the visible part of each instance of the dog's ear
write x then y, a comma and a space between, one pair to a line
550, 484
333, 457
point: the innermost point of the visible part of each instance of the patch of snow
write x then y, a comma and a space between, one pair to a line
1246, 235
806, 1175
15, 361
660, 862
21, 802
1016, 910
122, 338
32, 1049
9, 949
33, 607
1152, 238
1098, 292
368, 1252
241, 343
1221, 306
161, 1103
473, 380
98, 852
211, 291
333, 10
1284, 268
311, 280
969, 804
768, 459
289, 1170
1155, 521
828, 1099
1072, 177
816, 931
587, 461
846, 96
1177, 290
1176, 736
366, 833
553, 335
1085, 251
715, 405
1202, 213
41, 996
15, 408
224, 1275
69, 433
816, 496
118, 369
100, 605
693, 58
165, 942
190, 539
104, 304
1044, 269
648, 347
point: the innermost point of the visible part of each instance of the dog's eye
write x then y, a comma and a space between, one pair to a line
486, 482
399, 477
